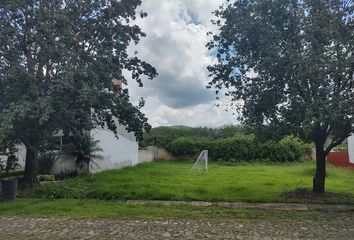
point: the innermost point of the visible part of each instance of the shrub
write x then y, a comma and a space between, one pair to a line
298, 147
276, 152
187, 146
241, 148
235, 149
46, 178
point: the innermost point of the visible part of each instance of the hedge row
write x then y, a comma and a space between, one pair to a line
241, 148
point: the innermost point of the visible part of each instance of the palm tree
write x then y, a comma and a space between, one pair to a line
84, 148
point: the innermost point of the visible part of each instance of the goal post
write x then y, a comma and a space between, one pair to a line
201, 164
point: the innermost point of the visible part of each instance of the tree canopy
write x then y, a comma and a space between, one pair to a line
289, 65
57, 62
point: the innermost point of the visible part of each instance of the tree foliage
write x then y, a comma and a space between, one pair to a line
241, 148
57, 62
291, 65
163, 136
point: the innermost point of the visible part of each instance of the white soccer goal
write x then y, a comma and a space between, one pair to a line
201, 164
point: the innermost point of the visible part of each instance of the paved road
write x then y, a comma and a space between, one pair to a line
334, 227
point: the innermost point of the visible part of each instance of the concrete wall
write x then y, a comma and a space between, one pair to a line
146, 155
152, 153
66, 164
117, 152
163, 154
351, 148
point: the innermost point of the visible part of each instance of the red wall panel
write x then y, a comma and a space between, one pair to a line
340, 159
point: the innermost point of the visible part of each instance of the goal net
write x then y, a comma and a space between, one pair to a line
201, 165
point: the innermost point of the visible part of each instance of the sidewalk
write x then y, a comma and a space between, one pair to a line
271, 206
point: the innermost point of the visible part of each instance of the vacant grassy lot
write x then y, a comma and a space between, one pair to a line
257, 182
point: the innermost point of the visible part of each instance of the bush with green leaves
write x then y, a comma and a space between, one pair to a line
238, 148
276, 152
241, 148
187, 146
46, 178
297, 147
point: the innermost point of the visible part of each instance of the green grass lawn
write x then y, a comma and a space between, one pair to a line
97, 209
166, 180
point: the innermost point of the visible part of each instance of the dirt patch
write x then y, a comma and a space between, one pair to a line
306, 196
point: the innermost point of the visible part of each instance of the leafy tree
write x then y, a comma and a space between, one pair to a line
289, 64
163, 136
57, 62
231, 130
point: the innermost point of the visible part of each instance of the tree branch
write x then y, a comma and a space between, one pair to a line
335, 143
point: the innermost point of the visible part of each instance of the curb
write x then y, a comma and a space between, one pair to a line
235, 205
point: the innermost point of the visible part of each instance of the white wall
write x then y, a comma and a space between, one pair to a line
351, 148
63, 164
117, 153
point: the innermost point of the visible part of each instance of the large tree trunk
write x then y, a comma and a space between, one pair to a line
31, 167
320, 176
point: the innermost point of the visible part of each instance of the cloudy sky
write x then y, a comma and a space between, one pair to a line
175, 46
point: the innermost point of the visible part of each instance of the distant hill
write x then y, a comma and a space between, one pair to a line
188, 127
163, 135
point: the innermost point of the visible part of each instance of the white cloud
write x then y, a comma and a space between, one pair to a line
175, 46
195, 116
